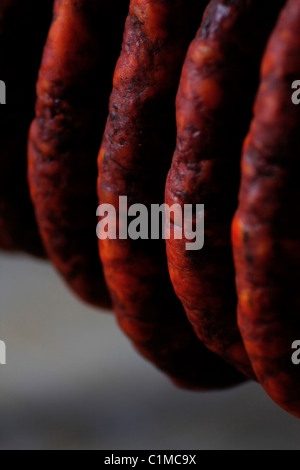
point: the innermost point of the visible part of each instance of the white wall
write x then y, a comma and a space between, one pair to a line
72, 381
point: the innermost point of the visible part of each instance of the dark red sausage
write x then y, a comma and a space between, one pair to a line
74, 85
23, 29
266, 229
214, 109
134, 160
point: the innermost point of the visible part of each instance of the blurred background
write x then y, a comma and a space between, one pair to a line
73, 381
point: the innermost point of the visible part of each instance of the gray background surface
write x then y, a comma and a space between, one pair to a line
72, 381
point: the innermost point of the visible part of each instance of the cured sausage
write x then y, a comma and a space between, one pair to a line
73, 89
135, 157
23, 30
214, 108
266, 228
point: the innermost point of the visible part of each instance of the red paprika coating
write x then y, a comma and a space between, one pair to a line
266, 228
73, 89
214, 108
23, 30
136, 154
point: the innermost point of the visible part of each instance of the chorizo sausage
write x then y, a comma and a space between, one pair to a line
73, 89
23, 31
134, 159
266, 228
214, 108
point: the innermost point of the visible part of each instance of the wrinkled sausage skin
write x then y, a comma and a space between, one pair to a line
214, 108
135, 157
73, 89
266, 228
